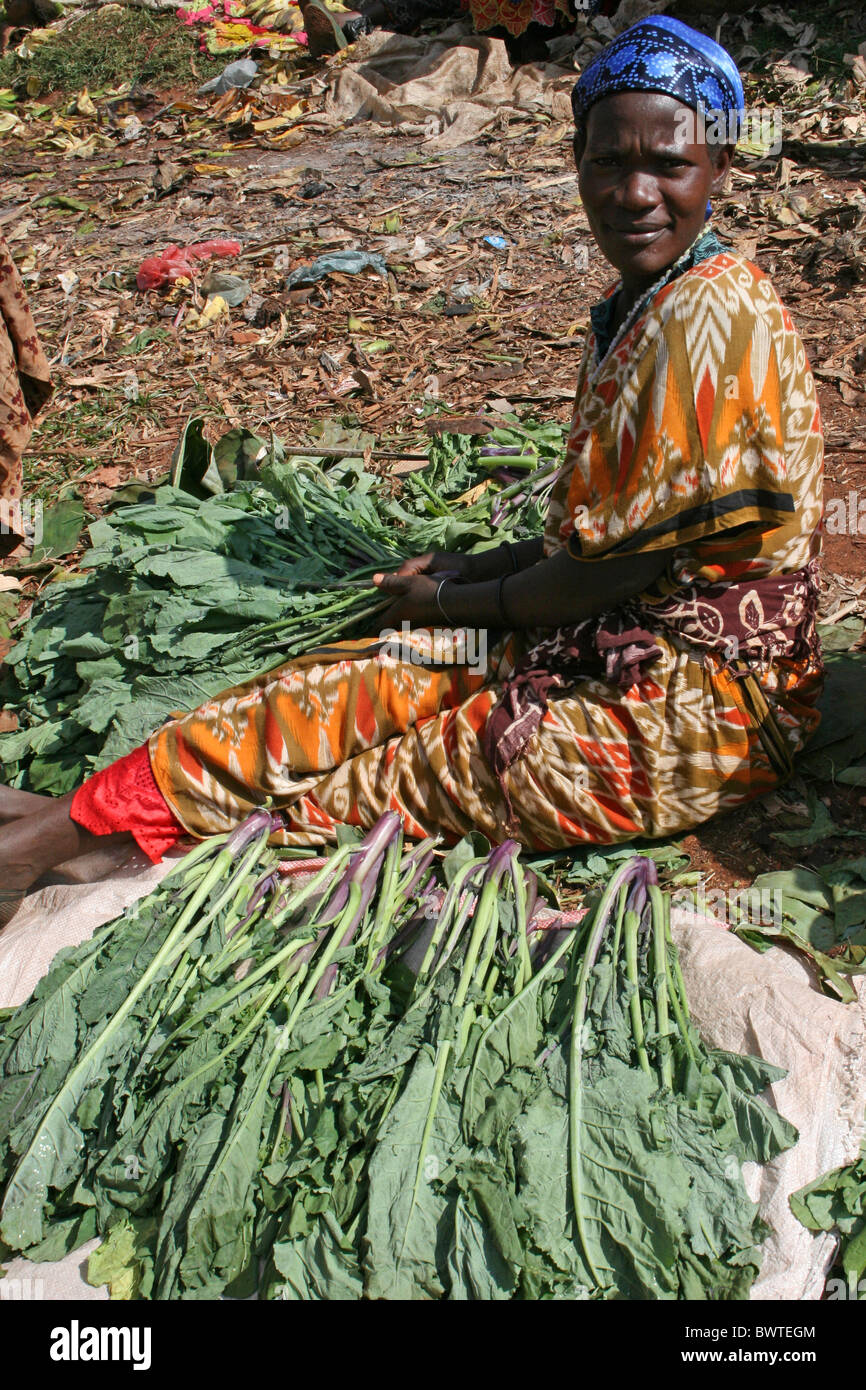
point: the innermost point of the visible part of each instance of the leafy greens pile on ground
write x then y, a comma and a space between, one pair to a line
822, 912
234, 568
837, 1202
384, 1080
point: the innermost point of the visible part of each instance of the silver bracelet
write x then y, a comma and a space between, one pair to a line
442, 583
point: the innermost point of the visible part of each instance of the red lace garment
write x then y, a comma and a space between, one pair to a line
125, 796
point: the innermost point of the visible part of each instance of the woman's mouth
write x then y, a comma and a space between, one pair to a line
637, 236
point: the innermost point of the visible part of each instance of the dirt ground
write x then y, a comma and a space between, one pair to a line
459, 324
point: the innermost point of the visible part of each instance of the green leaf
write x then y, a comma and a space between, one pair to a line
124, 1260
821, 827
407, 1219
62, 524
237, 456
206, 1229
322, 1266
192, 465
50, 1156
841, 736
764, 1133
476, 1267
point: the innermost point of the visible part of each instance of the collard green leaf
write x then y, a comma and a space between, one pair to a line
409, 1219
124, 1260
50, 1142
192, 465
62, 524
476, 1267
321, 1266
212, 1193
64, 1234
763, 1132
840, 739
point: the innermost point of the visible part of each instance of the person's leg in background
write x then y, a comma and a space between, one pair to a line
15, 428
25, 386
327, 31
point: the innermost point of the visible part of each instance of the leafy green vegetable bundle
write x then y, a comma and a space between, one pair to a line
837, 1202
821, 912
391, 1077
239, 565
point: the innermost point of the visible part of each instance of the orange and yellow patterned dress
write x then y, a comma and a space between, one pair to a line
699, 433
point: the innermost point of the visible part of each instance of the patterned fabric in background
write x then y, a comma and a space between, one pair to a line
517, 15
660, 54
700, 430
25, 386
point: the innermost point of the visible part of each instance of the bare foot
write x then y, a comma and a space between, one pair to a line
324, 34
32, 845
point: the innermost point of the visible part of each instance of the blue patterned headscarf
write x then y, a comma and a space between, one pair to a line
662, 55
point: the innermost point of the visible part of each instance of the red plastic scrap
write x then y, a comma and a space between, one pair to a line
176, 261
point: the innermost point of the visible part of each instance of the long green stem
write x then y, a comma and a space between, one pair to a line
521, 902
457, 914
632, 922
662, 992
504, 1014
679, 999
216, 1006
617, 935
479, 953
388, 900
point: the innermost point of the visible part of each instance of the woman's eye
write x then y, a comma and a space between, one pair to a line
607, 161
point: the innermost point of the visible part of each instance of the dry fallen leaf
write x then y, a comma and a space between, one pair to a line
791, 74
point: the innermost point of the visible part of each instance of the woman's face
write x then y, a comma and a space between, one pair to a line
645, 180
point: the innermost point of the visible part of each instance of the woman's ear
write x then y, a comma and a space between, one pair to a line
722, 157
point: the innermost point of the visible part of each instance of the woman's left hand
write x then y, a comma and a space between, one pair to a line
414, 598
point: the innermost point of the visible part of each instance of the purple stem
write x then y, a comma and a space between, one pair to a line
250, 829
266, 884
372, 847
402, 939
423, 866
325, 985
501, 858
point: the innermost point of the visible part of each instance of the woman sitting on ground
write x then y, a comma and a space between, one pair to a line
329, 30
653, 658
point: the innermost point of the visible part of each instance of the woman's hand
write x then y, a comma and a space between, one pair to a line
440, 562
414, 595
415, 583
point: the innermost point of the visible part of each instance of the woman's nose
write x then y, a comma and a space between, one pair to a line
637, 191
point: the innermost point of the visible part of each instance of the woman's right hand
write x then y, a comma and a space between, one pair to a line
439, 562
